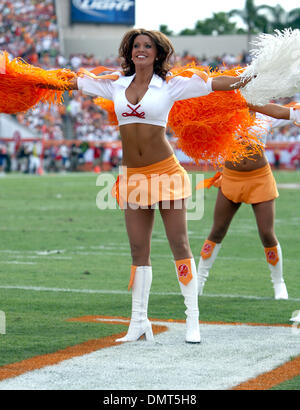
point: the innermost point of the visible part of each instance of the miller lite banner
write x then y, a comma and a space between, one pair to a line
103, 11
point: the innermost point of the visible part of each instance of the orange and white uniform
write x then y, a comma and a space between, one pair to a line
257, 185
156, 103
165, 180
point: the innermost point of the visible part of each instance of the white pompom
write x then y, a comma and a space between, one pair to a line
276, 67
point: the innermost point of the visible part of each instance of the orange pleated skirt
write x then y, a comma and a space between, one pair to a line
250, 187
165, 180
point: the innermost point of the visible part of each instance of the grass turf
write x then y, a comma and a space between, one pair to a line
54, 236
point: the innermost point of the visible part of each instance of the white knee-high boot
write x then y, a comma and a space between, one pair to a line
141, 279
274, 260
209, 253
187, 278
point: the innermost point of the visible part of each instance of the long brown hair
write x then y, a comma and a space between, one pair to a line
164, 51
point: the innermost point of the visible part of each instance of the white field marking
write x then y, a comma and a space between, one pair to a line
50, 175
125, 292
46, 253
11, 251
227, 356
108, 244
111, 231
156, 255
111, 320
241, 231
18, 263
112, 252
57, 252
288, 186
41, 257
35, 255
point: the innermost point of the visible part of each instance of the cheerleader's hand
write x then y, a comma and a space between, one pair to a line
242, 81
73, 83
229, 83
65, 73
70, 76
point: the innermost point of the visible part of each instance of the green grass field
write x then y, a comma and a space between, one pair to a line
54, 237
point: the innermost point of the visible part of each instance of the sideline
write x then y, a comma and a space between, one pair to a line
262, 380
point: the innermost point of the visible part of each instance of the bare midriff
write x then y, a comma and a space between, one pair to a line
144, 144
248, 164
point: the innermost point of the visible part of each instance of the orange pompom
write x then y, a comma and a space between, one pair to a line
109, 107
21, 85
216, 127
213, 128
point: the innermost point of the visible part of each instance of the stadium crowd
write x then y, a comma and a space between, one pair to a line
28, 29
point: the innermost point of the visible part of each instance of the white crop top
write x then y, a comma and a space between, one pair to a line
155, 105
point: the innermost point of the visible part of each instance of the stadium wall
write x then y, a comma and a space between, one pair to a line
9, 127
103, 40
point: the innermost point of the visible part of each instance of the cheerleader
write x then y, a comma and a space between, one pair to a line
143, 96
251, 181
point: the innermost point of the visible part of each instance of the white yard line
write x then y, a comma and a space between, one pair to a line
125, 292
288, 186
18, 263
227, 356
110, 250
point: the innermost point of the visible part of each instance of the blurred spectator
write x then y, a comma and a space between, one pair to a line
28, 29
64, 153
98, 154
2, 159
34, 158
23, 154
74, 157
277, 158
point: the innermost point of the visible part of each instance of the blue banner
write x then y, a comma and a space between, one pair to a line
103, 11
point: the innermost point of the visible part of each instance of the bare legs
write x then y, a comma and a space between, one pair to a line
223, 215
265, 216
176, 229
139, 224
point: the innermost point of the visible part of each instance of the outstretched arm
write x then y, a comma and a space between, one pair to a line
280, 112
272, 110
228, 83
73, 84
